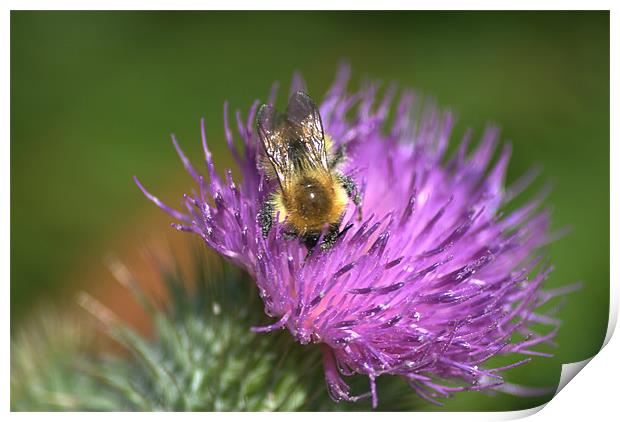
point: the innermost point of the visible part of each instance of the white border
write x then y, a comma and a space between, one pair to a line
310, 5
592, 394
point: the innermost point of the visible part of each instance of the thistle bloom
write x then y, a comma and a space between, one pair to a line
434, 281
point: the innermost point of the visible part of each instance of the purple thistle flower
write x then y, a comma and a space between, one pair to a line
433, 282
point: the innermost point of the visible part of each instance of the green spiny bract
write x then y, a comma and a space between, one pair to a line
45, 356
201, 357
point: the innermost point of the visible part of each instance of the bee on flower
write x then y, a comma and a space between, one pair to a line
418, 272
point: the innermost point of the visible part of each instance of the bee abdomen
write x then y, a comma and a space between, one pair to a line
311, 200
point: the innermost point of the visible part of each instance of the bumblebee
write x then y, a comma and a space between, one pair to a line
311, 193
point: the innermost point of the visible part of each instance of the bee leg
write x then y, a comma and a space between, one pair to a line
310, 241
332, 236
265, 217
352, 192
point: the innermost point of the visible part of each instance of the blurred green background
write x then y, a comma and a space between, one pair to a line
94, 96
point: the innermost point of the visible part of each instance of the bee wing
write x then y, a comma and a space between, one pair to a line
270, 133
303, 116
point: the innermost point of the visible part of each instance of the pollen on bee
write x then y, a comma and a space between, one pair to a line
279, 208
